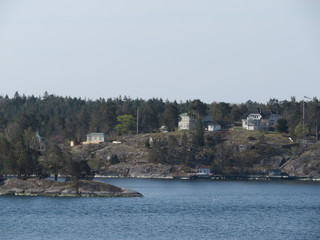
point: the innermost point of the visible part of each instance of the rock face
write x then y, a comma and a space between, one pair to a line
306, 164
142, 170
37, 187
258, 152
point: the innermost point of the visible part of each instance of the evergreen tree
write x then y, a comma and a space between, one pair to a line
108, 113
81, 170
170, 116
26, 159
197, 109
126, 124
158, 153
299, 132
7, 160
82, 119
190, 160
282, 125
114, 159
198, 135
222, 114
54, 160
173, 153
184, 148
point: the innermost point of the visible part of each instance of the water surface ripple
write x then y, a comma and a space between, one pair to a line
171, 209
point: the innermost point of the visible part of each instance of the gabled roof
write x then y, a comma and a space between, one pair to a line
95, 134
245, 115
184, 114
204, 167
264, 114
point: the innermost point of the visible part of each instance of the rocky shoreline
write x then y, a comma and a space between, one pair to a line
216, 177
83, 188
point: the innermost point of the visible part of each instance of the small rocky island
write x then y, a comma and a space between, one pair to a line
81, 188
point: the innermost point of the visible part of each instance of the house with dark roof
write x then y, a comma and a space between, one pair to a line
259, 120
210, 125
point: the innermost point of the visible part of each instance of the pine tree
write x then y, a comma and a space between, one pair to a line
198, 135
54, 160
170, 116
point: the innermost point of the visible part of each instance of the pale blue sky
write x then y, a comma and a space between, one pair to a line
226, 50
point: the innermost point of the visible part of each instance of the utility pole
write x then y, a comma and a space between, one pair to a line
303, 116
137, 120
317, 130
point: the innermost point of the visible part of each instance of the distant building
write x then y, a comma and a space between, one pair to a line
274, 172
189, 123
204, 170
259, 120
164, 129
74, 143
214, 127
41, 142
95, 138
210, 125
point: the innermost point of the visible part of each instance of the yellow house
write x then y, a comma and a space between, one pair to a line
95, 138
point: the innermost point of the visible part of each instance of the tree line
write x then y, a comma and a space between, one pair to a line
60, 119
73, 118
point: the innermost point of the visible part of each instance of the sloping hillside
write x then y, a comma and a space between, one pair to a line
229, 152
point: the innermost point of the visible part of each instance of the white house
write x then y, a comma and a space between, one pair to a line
259, 121
204, 170
164, 129
214, 127
188, 123
252, 121
95, 138
41, 142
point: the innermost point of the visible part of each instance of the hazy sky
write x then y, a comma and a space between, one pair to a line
226, 50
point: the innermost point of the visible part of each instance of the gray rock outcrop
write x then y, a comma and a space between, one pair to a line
83, 188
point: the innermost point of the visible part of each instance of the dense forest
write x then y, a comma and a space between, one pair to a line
23, 119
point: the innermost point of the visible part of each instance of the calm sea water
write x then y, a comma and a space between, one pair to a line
171, 209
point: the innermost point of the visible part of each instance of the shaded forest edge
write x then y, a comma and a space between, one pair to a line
291, 147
